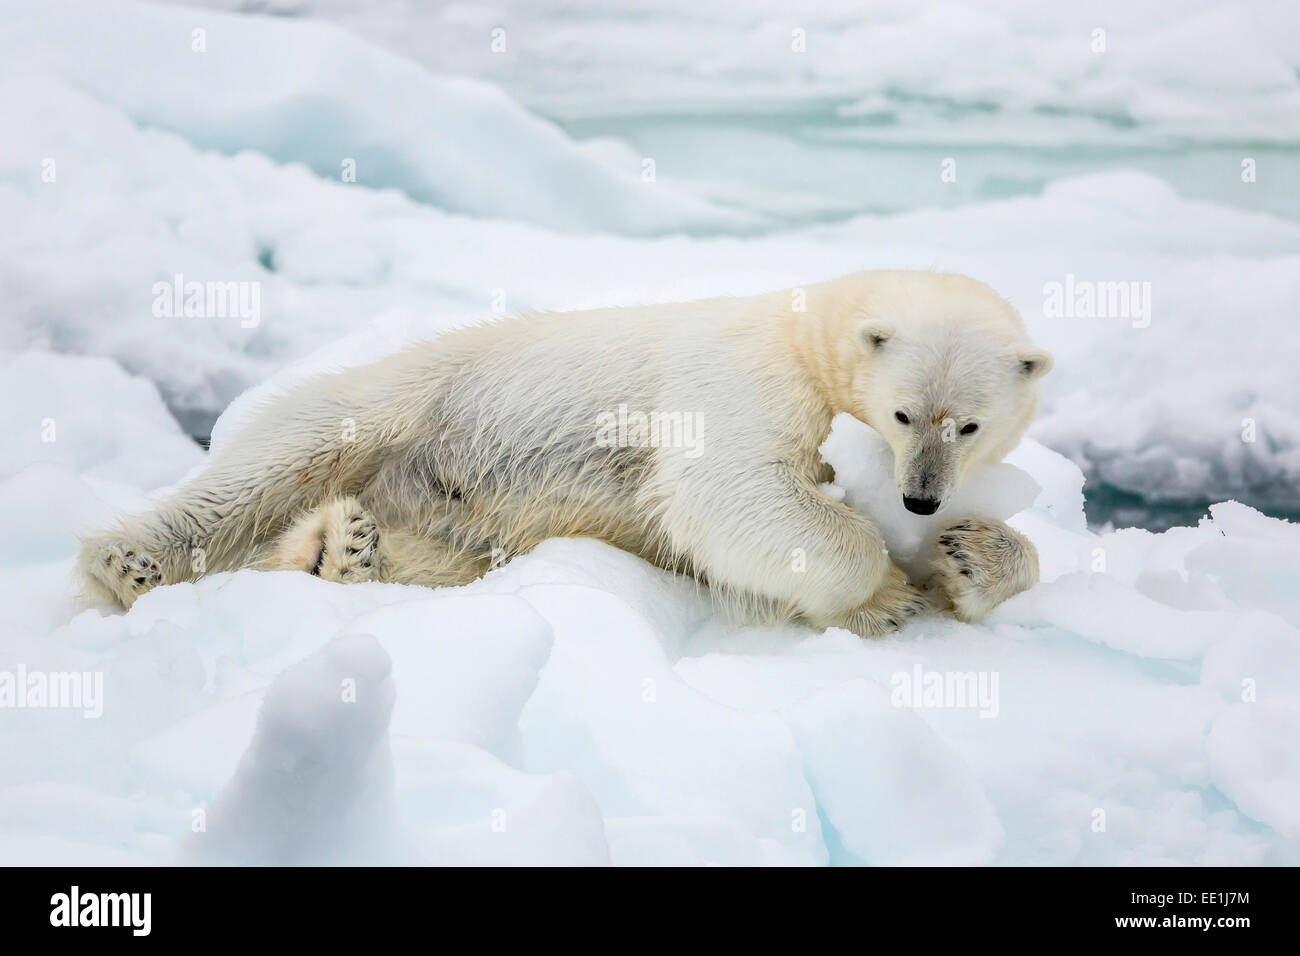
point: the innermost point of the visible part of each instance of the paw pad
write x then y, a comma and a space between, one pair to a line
125, 571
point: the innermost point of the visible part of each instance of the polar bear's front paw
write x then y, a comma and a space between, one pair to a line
339, 541
119, 571
979, 563
889, 608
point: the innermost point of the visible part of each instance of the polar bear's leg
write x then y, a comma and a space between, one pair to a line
315, 443
888, 608
430, 562
140, 553
779, 539
979, 563
207, 526
341, 541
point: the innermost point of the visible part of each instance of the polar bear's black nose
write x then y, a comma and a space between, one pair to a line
920, 506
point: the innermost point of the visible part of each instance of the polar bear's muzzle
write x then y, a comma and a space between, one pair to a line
927, 477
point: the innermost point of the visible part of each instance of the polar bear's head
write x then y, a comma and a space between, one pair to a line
948, 377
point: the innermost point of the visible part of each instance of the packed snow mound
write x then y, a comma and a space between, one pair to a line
124, 433
81, 429
310, 93
1142, 705
1202, 70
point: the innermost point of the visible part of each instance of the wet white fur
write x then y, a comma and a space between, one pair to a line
483, 443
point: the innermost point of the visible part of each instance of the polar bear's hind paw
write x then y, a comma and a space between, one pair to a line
358, 542
339, 541
893, 604
119, 571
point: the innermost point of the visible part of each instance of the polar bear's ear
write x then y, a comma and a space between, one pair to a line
1034, 362
873, 334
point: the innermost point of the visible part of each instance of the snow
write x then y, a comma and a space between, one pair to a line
307, 93
931, 812
580, 706
133, 205
1200, 69
1253, 760
126, 434
863, 460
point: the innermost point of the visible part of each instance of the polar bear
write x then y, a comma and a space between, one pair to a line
687, 434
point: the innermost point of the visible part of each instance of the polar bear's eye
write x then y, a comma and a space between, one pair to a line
970, 428
902, 419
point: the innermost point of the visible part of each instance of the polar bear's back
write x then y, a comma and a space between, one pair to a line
507, 429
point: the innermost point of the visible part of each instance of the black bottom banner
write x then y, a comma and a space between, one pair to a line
336, 905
